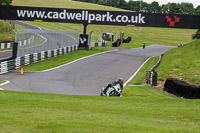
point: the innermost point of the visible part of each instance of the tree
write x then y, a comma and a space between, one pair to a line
154, 7
110, 3
171, 8
165, 9
138, 6
144, 7
94, 1
197, 10
186, 8
114, 3
120, 4
196, 35
174, 8
102, 2
5, 2
133, 5
141, 6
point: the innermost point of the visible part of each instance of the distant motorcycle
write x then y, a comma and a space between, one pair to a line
113, 89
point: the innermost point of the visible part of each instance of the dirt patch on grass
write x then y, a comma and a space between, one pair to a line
160, 84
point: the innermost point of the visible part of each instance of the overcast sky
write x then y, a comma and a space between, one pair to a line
194, 2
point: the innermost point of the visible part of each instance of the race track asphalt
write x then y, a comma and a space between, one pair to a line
5, 54
51, 42
8, 54
84, 77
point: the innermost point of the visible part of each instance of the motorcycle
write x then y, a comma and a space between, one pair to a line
114, 89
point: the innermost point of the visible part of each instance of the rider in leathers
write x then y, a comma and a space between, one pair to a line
114, 89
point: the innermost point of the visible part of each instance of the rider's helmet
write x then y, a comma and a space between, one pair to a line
121, 81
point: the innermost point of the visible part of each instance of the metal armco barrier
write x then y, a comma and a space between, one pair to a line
8, 66
21, 43
6, 45
152, 76
43, 40
98, 44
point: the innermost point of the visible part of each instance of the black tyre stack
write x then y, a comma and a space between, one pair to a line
182, 89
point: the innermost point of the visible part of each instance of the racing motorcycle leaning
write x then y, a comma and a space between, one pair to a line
113, 89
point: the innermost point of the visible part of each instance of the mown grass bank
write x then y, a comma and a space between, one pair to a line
182, 63
148, 110
6, 32
149, 35
143, 109
63, 4
64, 59
139, 79
141, 75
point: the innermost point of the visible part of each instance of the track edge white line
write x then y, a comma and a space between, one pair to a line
2, 84
137, 71
77, 60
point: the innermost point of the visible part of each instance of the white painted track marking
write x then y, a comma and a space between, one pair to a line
7, 82
136, 72
76, 61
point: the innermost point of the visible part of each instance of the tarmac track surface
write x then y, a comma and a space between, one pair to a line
8, 54
51, 39
5, 54
84, 77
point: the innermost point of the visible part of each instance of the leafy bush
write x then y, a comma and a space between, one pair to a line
6, 26
196, 35
6, 2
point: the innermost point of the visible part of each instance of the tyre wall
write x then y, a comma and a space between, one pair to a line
182, 89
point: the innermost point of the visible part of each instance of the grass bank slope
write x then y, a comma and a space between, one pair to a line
142, 109
182, 63
6, 33
63, 4
147, 111
162, 36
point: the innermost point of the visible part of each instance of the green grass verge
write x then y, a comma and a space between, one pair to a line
182, 63
2, 81
39, 41
6, 49
139, 79
147, 111
63, 4
60, 60
5, 34
141, 75
8, 36
150, 35
162, 36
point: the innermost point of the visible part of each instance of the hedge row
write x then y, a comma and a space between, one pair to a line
182, 89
